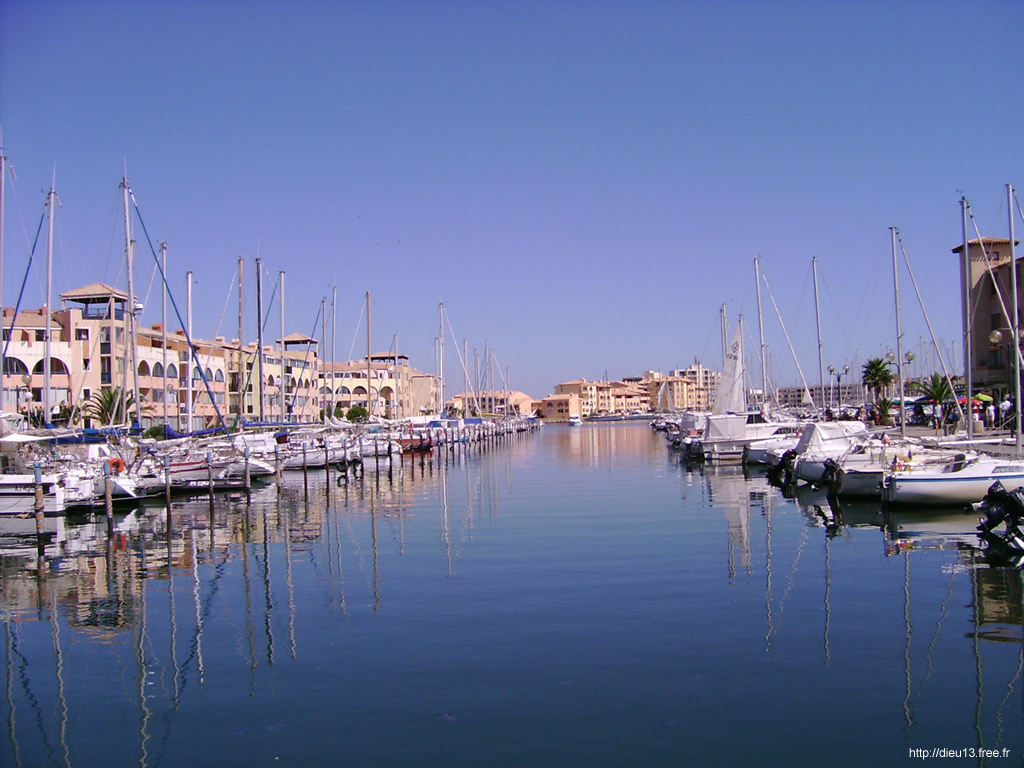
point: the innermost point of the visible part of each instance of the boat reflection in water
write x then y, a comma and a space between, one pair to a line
410, 616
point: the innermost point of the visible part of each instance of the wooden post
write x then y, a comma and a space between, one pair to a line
277, 466
248, 477
40, 509
209, 473
167, 480
108, 499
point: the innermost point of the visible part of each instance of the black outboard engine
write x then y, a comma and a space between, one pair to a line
828, 477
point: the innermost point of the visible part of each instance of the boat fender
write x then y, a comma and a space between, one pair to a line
116, 465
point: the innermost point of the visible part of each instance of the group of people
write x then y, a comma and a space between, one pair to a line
1001, 416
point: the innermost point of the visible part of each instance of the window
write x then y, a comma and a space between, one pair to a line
82, 334
40, 335
172, 372
158, 369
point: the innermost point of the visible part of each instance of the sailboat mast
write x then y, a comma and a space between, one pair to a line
440, 360
817, 320
760, 330
284, 381
240, 367
725, 333
398, 384
899, 336
259, 336
49, 308
369, 389
966, 307
334, 344
323, 349
163, 322
3, 180
131, 356
188, 339
1016, 319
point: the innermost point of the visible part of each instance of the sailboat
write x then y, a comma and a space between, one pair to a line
730, 427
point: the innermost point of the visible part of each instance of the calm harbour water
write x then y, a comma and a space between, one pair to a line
571, 597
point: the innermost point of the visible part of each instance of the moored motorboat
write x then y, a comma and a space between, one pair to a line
961, 479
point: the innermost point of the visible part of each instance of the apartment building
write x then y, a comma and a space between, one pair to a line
385, 384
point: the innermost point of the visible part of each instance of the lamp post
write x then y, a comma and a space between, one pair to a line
995, 339
172, 396
26, 379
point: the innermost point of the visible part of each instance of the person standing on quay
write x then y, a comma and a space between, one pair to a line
1005, 408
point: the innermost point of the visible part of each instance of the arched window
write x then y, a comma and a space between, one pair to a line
56, 366
172, 371
325, 390
345, 391
197, 374
387, 393
359, 391
270, 381
143, 368
158, 369
14, 367
209, 375
218, 375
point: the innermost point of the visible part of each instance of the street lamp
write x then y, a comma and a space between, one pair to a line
839, 378
26, 379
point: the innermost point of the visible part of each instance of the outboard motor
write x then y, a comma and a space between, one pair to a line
828, 477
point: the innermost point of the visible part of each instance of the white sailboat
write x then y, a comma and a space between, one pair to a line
731, 427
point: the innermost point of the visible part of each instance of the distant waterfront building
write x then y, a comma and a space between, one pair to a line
388, 387
800, 397
499, 402
90, 351
558, 407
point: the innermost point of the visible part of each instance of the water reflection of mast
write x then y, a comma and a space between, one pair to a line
288, 578
59, 659
247, 585
195, 598
373, 535
445, 531
767, 510
140, 660
268, 595
828, 587
11, 730
170, 597
907, 714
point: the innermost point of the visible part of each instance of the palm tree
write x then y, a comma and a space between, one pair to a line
936, 388
105, 406
877, 376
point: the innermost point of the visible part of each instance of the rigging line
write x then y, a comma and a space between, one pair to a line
259, 352
995, 282
177, 312
149, 290
465, 370
359, 324
835, 313
790, 343
928, 322
755, 348
16, 191
21, 293
305, 359
223, 311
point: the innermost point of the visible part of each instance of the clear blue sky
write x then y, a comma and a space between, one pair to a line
583, 184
